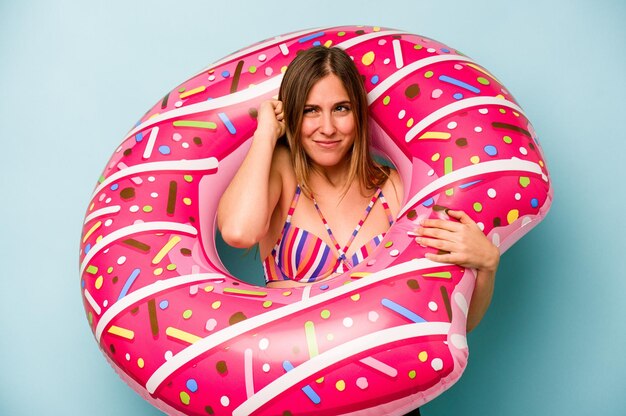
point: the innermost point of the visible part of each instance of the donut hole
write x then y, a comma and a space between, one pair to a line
244, 264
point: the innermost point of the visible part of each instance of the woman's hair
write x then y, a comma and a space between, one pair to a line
303, 73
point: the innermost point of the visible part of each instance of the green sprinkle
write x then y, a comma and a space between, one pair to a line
482, 80
199, 124
429, 74
478, 207
386, 100
507, 139
92, 269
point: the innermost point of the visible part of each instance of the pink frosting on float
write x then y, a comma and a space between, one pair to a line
384, 338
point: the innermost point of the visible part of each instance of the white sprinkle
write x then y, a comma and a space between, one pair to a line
178, 104
121, 260
225, 401
262, 57
151, 179
210, 324
518, 196
154, 195
266, 368
176, 137
431, 50
211, 77
105, 303
523, 151
264, 344
394, 253
483, 111
431, 172
168, 355
185, 145
433, 306
437, 364
386, 61
348, 322
481, 226
108, 222
134, 208
108, 201
478, 129
127, 357
372, 316
401, 114
452, 125
491, 193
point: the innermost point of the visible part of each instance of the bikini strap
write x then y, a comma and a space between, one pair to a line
292, 208
342, 252
383, 201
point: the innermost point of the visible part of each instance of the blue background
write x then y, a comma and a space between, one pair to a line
74, 77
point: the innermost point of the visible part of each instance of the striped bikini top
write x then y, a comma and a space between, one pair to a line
304, 257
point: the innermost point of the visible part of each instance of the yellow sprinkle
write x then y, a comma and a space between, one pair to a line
541, 163
244, 292
435, 157
422, 356
91, 230
512, 215
409, 122
441, 275
500, 96
283, 69
216, 304
93, 204
287, 293
439, 135
121, 332
358, 275
182, 335
166, 249
474, 159
376, 29
153, 115
311, 340
187, 201
328, 43
368, 58
516, 113
192, 92
98, 239
99, 281
140, 363
158, 271
209, 288
340, 385
355, 297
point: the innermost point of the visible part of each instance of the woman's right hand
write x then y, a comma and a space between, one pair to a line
270, 120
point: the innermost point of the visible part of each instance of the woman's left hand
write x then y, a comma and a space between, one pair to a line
462, 243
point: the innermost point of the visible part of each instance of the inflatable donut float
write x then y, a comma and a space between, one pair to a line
385, 337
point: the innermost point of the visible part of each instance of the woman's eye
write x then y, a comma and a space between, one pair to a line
342, 108
309, 110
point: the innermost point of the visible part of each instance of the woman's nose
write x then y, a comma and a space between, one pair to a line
327, 124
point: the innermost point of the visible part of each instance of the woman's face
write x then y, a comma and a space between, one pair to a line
328, 127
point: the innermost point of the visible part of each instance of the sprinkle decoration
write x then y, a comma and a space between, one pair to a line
385, 336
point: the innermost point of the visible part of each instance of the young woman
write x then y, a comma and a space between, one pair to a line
310, 194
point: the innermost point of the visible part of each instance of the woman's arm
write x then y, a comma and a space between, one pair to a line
466, 246
246, 207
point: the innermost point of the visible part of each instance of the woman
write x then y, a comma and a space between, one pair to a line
302, 197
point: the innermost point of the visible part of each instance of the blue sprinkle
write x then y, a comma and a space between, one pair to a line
138, 137
401, 310
192, 385
375, 79
227, 123
165, 150
458, 83
87, 248
458, 96
428, 202
115, 186
444, 50
491, 150
311, 37
82, 283
287, 366
317, 43
324, 287
209, 98
225, 74
129, 282
467, 185
534, 202
164, 304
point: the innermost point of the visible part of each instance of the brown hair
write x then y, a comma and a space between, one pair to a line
303, 73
